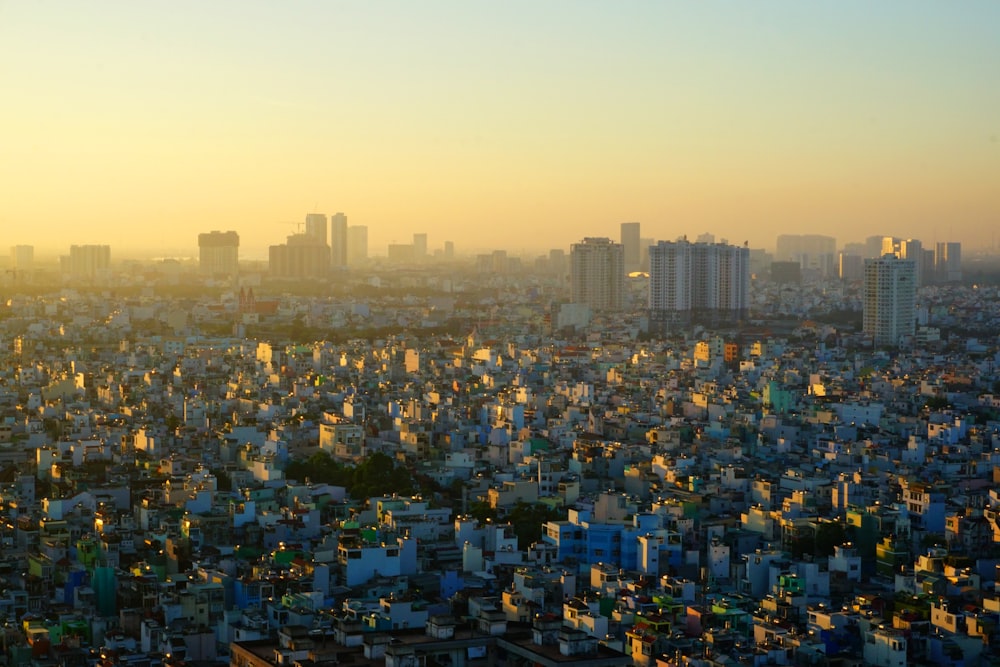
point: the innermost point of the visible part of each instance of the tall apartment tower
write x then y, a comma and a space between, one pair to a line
219, 253
948, 262
420, 246
89, 261
22, 258
632, 246
597, 274
316, 226
357, 244
338, 240
890, 296
707, 281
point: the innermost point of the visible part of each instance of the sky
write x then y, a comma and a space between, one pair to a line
523, 125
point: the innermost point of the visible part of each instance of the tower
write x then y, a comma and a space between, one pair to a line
219, 253
420, 246
597, 274
316, 226
338, 240
948, 262
357, 244
631, 245
890, 299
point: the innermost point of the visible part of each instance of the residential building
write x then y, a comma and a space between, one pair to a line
890, 292
597, 274
219, 253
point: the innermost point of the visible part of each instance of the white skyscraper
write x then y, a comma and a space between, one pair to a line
597, 274
890, 299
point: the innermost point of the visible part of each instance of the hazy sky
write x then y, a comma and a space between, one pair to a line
521, 125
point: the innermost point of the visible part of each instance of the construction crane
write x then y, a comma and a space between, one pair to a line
298, 225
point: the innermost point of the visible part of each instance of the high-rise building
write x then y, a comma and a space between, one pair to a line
338, 240
302, 256
948, 262
597, 274
852, 266
890, 294
22, 258
449, 249
219, 253
913, 249
631, 246
88, 261
705, 281
357, 244
316, 226
420, 246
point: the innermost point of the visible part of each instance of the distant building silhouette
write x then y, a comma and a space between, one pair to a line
631, 245
814, 253
88, 261
302, 256
948, 262
357, 244
22, 258
420, 247
316, 226
338, 241
219, 253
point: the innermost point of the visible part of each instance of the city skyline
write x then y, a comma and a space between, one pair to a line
144, 125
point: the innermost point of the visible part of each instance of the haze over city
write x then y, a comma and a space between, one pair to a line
518, 125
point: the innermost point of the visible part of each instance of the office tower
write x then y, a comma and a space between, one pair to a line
219, 253
22, 258
338, 240
948, 262
890, 293
316, 226
89, 261
420, 246
631, 246
597, 274
814, 253
704, 281
302, 256
449, 249
357, 244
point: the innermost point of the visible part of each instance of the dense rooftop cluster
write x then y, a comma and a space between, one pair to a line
443, 478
